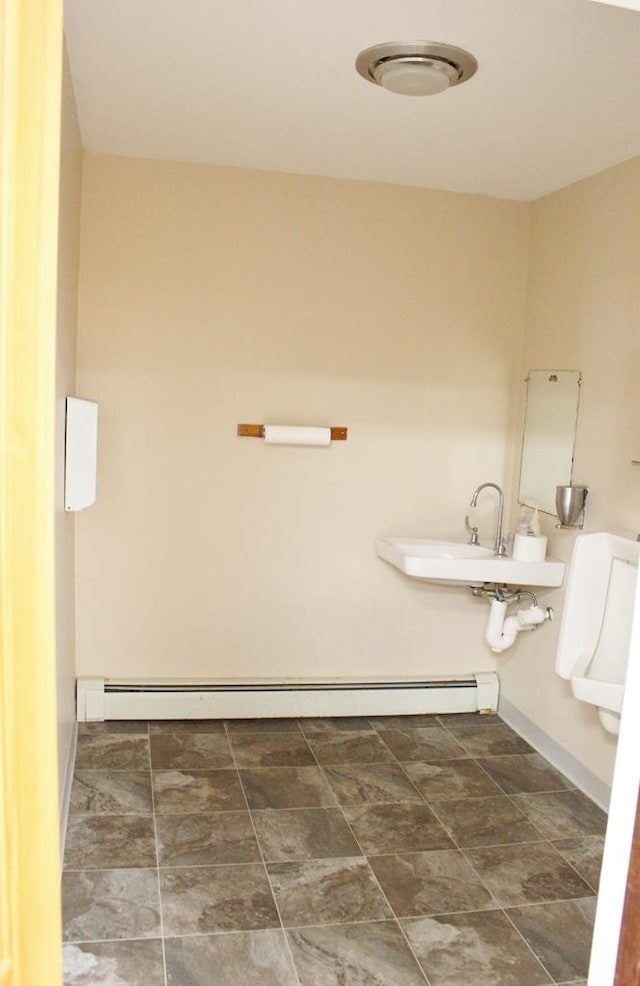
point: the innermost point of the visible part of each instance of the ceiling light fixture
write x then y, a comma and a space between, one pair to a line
416, 68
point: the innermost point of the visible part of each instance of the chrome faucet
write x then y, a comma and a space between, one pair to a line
500, 545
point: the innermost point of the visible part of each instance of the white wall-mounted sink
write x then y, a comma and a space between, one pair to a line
457, 563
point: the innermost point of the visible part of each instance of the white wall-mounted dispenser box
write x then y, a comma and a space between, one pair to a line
81, 453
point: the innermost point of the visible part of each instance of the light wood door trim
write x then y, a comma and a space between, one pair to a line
628, 963
30, 85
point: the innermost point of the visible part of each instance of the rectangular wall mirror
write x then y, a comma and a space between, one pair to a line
549, 436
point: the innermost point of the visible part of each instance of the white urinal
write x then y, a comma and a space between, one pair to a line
593, 647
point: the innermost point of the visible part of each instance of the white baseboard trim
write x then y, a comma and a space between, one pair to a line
65, 796
556, 754
104, 698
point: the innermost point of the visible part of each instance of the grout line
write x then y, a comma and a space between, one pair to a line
225, 934
397, 919
266, 870
155, 833
111, 814
395, 762
499, 904
576, 870
337, 804
547, 903
102, 941
531, 821
111, 770
110, 869
521, 936
400, 764
378, 884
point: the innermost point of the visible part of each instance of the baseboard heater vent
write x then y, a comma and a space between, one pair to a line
105, 698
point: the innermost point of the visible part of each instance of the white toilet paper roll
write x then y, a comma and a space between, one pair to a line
296, 435
529, 547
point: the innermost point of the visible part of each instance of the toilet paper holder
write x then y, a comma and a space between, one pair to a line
338, 434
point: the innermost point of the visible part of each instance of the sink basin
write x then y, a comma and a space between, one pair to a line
458, 563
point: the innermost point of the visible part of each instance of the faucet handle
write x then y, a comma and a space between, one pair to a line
472, 530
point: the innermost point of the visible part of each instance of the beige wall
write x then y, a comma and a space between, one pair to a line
582, 313
68, 259
213, 296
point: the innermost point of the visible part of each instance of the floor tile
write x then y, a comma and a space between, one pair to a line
286, 787
451, 840
469, 719
271, 750
521, 774
476, 949
262, 726
187, 726
253, 958
449, 779
109, 841
408, 827
191, 751
335, 724
433, 743
527, 874
105, 750
485, 821
560, 934
188, 791
479, 741
305, 833
585, 855
114, 963
327, 891
367, 954
207, 899
430, 883
104, 904
375, 783
563, 814
425, 721
206, 840
362, 747
111, 792
131, 726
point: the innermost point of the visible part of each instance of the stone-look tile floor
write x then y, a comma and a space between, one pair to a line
400, 851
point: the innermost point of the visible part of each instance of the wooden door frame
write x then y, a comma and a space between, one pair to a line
613, 926
628, 961
30, 93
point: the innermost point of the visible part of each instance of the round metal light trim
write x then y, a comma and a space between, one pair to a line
454, 64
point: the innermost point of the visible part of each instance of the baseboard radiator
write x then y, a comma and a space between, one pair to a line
100, 699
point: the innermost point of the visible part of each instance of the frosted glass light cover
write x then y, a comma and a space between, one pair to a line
81, 454
413, 79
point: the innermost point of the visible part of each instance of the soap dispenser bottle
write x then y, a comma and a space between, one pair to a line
521, 536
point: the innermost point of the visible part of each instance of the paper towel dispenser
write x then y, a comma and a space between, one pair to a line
81, 453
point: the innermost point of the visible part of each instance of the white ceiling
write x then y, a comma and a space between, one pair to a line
272, 85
